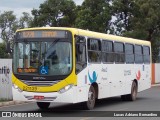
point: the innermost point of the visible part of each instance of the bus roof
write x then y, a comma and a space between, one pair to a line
92, 34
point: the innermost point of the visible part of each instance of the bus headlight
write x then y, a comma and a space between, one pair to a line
16, 87
66, 88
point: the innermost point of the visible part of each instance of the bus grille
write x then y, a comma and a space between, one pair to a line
40, 83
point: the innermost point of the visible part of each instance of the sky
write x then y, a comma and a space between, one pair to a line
19, 6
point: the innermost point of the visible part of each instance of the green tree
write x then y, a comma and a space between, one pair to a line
94, 15
137, 18
3, 53
143, 21
8, 25
146, 23
123, 12
25, 20
55, 13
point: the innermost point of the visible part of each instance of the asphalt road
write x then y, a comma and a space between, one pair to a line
148, 100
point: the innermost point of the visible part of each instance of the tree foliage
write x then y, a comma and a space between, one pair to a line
132, 18
3, 53
8, 25
123, 12
25, 20
139, 19
55, 13
94, 15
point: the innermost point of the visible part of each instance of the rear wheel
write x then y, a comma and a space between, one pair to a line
133, 95
43, 105
91, 99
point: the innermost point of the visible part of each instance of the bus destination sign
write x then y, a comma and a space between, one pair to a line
41, 34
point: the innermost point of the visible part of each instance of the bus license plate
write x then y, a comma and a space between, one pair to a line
30, 88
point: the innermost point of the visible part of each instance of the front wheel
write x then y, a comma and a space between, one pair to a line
43, 105
89, 105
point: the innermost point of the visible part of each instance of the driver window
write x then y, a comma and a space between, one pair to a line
81, 60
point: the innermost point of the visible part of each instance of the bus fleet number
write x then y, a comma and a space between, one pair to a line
30, 88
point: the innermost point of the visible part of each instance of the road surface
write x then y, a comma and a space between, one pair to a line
148, 100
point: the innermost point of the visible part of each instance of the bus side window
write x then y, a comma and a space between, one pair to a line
107, 52
138, 54
129, 53
146, 54
119, 52
81, 60
94, 50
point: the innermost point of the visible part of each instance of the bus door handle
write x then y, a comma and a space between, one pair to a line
110, 82
120, 81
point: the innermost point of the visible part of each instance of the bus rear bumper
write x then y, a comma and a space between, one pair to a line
66, 97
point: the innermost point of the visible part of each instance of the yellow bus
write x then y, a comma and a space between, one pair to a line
70, 65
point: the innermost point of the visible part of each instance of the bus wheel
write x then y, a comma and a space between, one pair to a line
133, 95
43, 105
89, 105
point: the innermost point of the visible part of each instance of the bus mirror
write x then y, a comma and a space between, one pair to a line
79, 48
80, 39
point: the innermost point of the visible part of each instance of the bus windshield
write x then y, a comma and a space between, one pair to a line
43, 58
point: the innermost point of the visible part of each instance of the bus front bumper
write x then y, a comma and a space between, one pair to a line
66, 97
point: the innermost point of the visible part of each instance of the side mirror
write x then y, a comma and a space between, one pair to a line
80, 48
80, 43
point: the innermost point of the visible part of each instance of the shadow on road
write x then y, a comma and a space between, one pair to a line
77, 110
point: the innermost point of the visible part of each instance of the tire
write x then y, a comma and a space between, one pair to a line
89, 105
43, 105
133, 95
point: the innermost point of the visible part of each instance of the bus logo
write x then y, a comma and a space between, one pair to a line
138, 75
93, 78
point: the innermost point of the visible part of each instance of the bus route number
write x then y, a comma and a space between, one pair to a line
28, 34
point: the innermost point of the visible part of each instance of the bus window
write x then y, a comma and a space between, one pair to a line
107, 51
129, 53
146, 54
119, 52
138, 54
81, 60
94, 50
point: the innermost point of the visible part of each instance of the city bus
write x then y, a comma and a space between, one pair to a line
70, 65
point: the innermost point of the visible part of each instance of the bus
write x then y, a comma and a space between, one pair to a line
70, 65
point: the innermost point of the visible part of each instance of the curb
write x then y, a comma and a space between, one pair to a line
153, 85
12, 103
